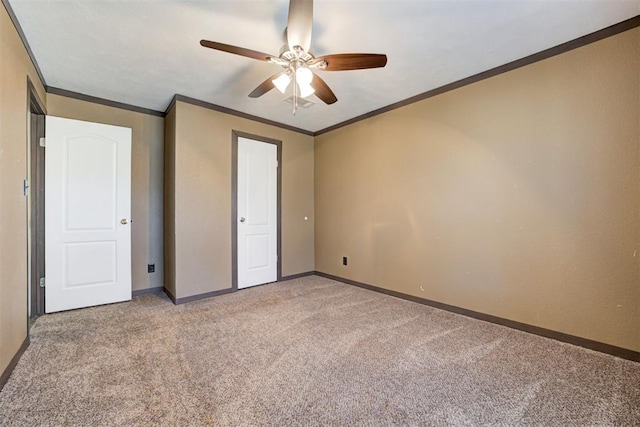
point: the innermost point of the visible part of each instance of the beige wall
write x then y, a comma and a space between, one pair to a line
203, 198
518, 196
146, 179
15, 66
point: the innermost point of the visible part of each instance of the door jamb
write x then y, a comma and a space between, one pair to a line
36, 263
234, 203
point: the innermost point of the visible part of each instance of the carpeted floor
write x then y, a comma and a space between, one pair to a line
306, 352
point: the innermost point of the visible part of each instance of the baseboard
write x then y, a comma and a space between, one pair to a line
178, 301
156, 290
169, 294
296, 276
601, 347
191, 298
12, 364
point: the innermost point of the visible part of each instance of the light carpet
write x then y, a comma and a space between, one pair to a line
309, 351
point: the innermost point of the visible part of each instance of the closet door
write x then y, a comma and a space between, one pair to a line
257, 212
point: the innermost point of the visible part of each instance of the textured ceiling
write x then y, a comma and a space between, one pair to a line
143, 52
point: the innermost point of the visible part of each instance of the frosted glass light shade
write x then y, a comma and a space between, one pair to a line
305, 89
304, 76
282, 82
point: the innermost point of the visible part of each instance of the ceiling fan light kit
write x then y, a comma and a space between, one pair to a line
298, 62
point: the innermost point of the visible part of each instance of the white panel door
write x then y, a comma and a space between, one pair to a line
257, 212
87, 214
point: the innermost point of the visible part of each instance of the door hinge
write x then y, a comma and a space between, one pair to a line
277, 163
42, 282
25, 187
43, 142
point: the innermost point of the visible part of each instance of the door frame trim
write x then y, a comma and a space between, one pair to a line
235, 134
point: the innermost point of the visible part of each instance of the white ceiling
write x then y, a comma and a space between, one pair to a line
143, 52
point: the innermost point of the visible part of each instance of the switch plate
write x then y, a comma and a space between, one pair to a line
151, 268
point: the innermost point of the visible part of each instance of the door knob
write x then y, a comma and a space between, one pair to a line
124, 221
242, 219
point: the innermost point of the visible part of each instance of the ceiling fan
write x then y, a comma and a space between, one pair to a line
298, 62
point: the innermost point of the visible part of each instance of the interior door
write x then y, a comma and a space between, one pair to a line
257, 212
87, 214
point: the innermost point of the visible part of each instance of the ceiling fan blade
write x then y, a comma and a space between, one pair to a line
300, 24
254, 54
264, 87
322, 90
353, 61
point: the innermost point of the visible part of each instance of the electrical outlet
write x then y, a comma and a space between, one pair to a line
344, 260
151, 268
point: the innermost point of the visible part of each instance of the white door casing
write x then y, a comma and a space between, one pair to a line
257, 212
87, 214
